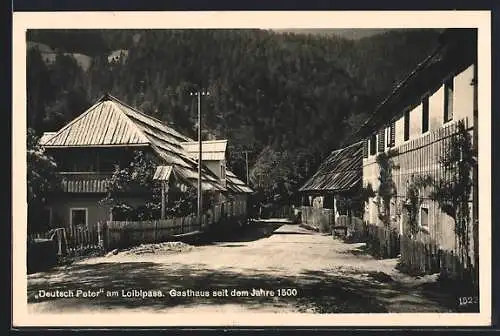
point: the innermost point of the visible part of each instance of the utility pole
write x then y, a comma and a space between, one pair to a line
246, 161
199, 93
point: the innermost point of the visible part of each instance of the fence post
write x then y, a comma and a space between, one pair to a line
102, 235
156, 230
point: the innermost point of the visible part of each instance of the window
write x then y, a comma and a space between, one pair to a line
373, 144
223, 170
424, 217
448, 100
78, 216
425, 115
381, 138
329, 202
407, 126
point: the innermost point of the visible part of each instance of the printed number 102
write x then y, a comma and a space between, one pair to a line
287, 292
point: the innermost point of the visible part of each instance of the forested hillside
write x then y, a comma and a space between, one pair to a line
288, 99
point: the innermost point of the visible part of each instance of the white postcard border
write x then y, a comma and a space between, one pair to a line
272, 20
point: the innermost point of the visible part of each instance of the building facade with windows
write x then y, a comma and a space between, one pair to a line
413, 127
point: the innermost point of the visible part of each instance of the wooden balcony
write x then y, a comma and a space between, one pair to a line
84, 182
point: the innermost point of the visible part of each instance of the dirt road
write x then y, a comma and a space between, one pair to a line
292, 269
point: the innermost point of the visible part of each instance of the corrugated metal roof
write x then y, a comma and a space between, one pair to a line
111, 122
211, 150
342, 170
162, 173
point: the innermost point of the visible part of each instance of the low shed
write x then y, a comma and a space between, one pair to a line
334, 190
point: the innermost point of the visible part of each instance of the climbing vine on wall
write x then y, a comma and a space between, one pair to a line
414, 199
453, 192
367, 193
387, 187
364, 196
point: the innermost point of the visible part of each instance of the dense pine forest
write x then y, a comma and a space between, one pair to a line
288, 99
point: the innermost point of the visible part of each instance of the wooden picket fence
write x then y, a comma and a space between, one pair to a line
71, 240
451, 267
111, 234
318, 218
122, 234
420, 256
282, 211
384, 242
350, 228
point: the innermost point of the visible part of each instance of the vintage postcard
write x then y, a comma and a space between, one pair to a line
251, 169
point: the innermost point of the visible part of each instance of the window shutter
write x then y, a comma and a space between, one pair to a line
381, 138
392, 142
365, 148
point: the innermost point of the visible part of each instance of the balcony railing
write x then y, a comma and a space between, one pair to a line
84, 182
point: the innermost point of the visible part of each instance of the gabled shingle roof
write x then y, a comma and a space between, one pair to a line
103, 124
211, 150
110, 122
457, 51
45, 137
342, 170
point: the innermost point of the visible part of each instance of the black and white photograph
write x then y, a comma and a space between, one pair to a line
234, 171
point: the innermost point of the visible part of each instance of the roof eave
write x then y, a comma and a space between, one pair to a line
100, 146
